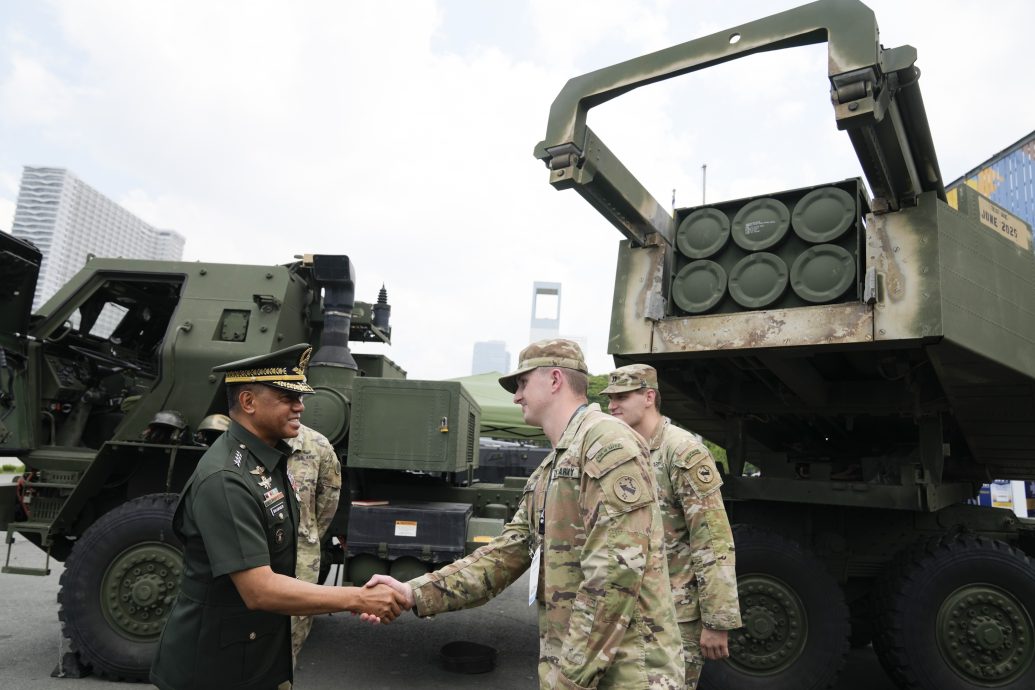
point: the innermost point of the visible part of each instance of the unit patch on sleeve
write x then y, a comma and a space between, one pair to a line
627, 489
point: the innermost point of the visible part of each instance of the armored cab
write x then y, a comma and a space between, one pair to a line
107, 396
863, 352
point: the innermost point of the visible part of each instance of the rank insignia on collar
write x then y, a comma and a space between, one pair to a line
265, 482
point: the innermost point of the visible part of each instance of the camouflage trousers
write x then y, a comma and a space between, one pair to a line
300, 627
690, 631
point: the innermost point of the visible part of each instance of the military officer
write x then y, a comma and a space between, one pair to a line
698, 539
589, 531
236, 519
315, 470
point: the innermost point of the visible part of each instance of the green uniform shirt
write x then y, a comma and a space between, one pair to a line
237, 512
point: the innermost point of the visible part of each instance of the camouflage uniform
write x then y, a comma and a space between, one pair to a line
606, 618
698, 539
315, 473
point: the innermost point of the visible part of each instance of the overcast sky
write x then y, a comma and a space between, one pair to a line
401, 133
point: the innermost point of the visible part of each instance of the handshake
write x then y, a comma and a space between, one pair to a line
382, 599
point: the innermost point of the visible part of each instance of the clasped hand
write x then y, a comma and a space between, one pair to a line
380, 604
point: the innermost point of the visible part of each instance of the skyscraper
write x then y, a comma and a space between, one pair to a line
490, 355
67, 219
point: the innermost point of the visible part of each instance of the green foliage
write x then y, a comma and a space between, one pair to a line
596, 384
12, 469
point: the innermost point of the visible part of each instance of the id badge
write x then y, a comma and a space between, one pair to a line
533, 576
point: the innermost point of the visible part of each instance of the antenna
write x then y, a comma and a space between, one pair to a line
704, 181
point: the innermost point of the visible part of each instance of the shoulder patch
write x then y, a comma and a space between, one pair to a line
704, 477
604, 450
627, 489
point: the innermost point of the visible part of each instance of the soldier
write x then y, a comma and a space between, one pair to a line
698, 539
236, 519
315, 471
589, 531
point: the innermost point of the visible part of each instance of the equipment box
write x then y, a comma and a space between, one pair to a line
428, 426
434, 532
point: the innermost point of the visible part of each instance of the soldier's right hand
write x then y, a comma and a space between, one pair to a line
402, 588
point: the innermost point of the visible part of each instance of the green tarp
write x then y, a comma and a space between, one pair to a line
501, 418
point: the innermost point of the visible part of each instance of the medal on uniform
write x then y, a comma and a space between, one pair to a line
266, 482
257, 470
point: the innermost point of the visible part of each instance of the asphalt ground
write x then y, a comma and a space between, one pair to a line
341, 652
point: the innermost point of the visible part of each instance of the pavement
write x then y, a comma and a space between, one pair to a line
341, 652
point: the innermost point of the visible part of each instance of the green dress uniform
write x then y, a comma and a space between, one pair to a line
237, 512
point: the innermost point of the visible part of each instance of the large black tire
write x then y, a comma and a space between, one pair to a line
795, 634
118, 586
955, 613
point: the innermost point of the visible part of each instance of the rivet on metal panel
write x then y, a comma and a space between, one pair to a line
263, 329
203, 272
269, 276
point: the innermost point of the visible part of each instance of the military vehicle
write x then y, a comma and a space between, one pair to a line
102, 389
870, 352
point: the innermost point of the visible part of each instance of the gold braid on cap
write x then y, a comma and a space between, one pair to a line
259, 375
303, 361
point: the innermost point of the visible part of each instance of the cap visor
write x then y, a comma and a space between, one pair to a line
509, 382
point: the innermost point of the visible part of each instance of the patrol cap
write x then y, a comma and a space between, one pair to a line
284, 369
632, 377
556, 352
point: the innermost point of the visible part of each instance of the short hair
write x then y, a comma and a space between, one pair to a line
578, 381
657, 399
233, 392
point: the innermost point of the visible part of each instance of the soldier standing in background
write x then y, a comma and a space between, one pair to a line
315, 471
589, 529
698, 539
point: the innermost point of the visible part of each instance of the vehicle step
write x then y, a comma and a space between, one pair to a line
18, 570
36, 527
9, 569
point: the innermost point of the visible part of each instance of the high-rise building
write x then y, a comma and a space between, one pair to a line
490, 355
546, 311
68, 219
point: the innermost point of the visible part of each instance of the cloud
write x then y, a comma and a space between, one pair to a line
262, 130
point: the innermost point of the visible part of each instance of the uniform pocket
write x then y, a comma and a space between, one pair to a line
247, 645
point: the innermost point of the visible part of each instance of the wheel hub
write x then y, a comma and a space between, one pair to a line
985, 634
775, 626
139, 587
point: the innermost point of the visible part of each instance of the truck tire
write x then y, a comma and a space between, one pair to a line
795, 634
118, 586
956, 612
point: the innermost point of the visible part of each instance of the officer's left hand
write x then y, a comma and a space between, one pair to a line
715, 644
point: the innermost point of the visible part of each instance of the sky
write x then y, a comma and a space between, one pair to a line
401, 133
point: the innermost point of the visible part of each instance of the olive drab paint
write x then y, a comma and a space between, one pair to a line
863, 357
90, 417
